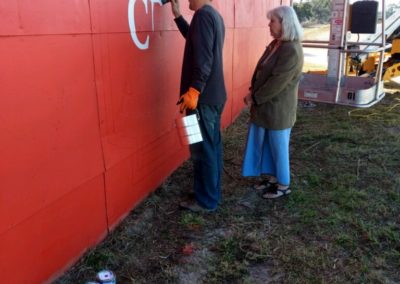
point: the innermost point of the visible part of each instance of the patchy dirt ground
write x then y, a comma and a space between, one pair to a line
340, 225
159, 243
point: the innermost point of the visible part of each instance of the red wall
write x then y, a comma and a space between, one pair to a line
87, 118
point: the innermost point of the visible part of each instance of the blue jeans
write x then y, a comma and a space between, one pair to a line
267, 152
207, 157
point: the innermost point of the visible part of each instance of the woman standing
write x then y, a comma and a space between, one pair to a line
273, 100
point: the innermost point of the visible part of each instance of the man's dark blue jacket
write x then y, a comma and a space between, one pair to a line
202, 66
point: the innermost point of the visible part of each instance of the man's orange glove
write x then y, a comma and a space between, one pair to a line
189, 99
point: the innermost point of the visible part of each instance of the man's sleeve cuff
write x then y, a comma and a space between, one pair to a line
178, 19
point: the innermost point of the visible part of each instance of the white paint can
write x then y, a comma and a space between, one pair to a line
189, 129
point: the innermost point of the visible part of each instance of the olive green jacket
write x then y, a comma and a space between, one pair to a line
274, 89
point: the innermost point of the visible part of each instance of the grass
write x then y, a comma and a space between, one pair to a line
340, 224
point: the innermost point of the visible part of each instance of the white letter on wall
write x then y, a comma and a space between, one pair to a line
152, 10
132, 24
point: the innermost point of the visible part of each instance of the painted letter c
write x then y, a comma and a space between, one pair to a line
132, 25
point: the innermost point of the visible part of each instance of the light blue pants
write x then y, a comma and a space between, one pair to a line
267, 152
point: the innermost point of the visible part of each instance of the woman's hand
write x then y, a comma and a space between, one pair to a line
248, 100
176, 11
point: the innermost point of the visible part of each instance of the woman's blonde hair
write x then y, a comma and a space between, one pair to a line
291, 28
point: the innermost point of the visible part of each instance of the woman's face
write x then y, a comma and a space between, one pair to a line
275, 27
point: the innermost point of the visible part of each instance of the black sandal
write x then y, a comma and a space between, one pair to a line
277, 193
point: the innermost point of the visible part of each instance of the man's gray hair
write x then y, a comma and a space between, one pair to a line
291, 28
